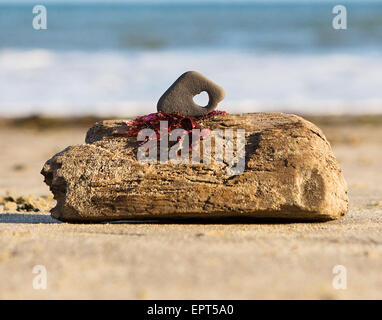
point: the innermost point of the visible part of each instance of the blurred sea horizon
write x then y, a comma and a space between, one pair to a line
106, 59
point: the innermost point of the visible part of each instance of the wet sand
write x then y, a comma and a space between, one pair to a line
191, 261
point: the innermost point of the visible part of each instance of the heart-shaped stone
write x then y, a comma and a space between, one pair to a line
179, 97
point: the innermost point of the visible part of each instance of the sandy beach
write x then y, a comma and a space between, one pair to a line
78, 62
190, 261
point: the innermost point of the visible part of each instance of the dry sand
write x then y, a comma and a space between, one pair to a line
192, 261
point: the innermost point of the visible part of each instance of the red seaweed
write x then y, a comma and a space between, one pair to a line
174, 120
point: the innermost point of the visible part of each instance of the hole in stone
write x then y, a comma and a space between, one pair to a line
202, 99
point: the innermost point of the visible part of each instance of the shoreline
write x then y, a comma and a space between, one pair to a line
43, 122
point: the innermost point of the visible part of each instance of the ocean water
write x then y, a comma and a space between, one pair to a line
118, 58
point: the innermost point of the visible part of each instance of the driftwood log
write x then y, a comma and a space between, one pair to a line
290, 173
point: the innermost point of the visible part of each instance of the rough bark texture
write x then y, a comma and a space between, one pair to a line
290, 173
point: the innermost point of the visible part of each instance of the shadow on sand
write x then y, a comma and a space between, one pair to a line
28, 218
35, 218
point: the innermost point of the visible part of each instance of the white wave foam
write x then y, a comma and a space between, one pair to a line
130, 83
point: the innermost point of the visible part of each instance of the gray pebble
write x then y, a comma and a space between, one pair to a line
179, 97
